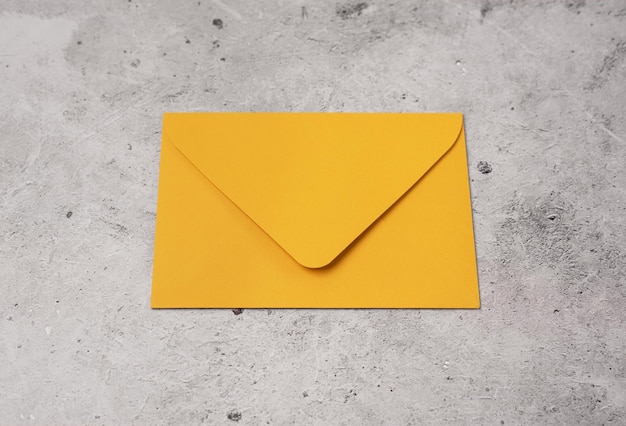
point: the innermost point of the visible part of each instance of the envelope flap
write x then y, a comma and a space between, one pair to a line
313, 181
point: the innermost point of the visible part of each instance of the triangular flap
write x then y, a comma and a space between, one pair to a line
313, 181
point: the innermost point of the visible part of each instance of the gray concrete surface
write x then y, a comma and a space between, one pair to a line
83, 85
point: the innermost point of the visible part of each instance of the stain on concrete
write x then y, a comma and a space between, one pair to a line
531, 226
121, 229
575, 5
234, 415
611, 60
26, 39
117, 227
484, 167
351, 10
485, 8
614, 58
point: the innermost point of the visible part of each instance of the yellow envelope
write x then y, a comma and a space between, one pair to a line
314, 210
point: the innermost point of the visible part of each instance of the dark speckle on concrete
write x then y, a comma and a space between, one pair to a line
305, 394
68, 214
234, 415
350, 394
187, 40
485, 9
575, 5
79, 42
218, 23
237, 311
223, 59
484, 167
351, 10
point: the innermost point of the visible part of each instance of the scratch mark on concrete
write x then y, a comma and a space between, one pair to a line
32, 157
141, 408
228, 9
603, 127
513, 38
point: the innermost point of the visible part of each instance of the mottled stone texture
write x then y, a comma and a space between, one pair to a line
83, 86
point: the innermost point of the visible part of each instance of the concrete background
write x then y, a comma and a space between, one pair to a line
83, 85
